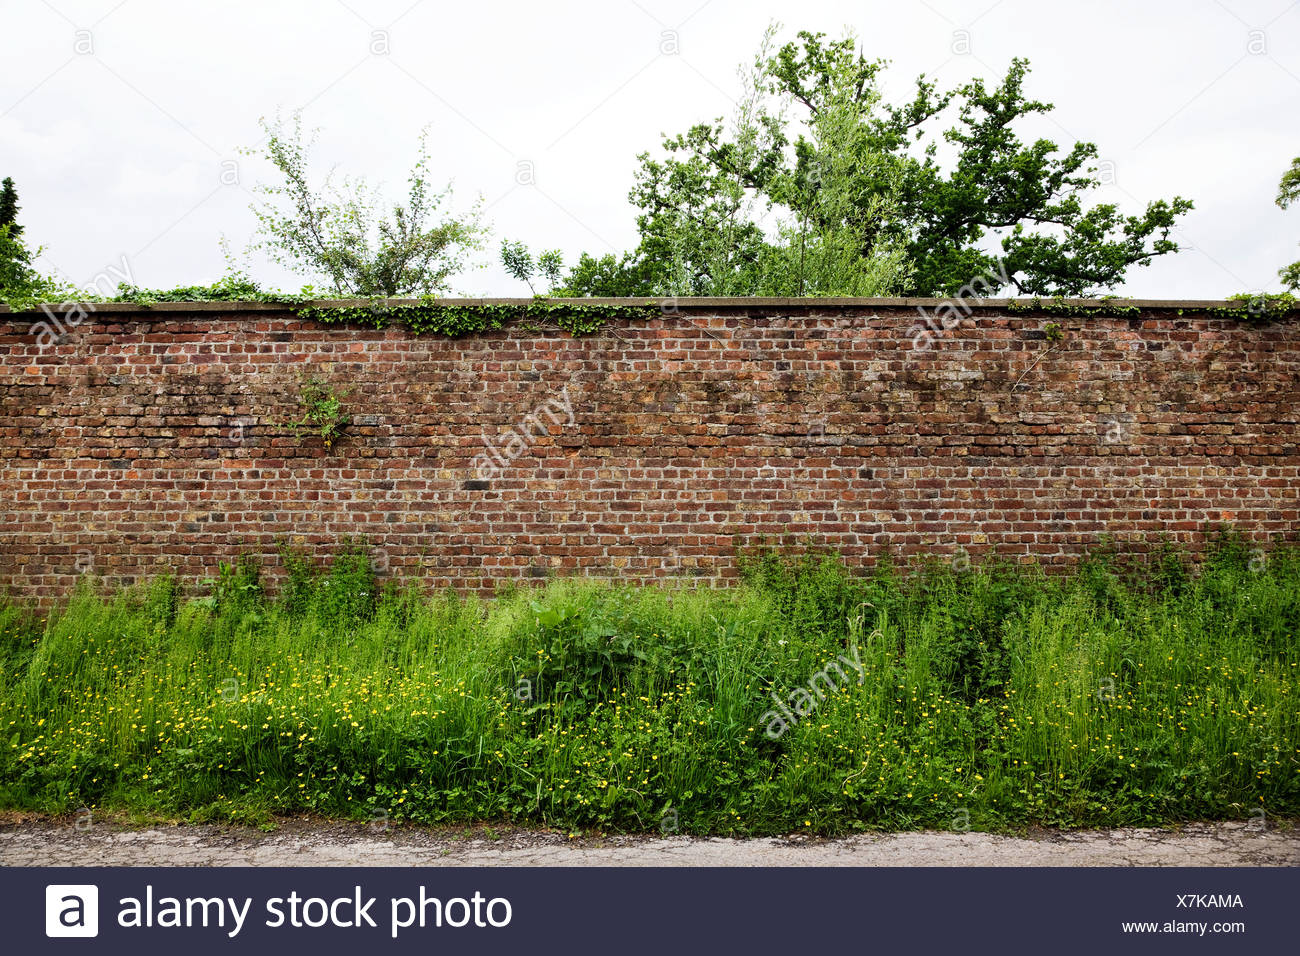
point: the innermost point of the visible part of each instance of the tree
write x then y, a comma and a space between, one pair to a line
15, 264
720, 215
9, 208
862, 188
344, 234
699, 230
16, 276
1288, 191
518, 262
21, 285
610, 275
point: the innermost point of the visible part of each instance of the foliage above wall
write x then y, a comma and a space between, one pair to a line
1246, 306
19, 278
914, 197
431, 317
345, 233
425, 316
1258, 307
1288, 192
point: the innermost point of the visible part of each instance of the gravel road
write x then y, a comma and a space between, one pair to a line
28, 841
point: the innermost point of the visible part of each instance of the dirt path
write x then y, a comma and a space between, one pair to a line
45, 842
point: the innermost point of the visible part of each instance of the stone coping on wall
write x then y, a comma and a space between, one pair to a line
683, 303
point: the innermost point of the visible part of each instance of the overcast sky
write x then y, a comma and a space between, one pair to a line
121, 120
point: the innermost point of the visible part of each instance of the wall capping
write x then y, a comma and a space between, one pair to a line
684, 304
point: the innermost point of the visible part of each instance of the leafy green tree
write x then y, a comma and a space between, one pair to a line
840, 230
610, 275
15, 264
724, 214
519, 263
1288, 191
861, 185
21, 284
9, 208
699, 231
346, 235
15, 260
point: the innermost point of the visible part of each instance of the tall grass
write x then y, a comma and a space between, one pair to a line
988, 697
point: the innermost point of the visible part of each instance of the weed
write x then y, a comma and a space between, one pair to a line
322, 411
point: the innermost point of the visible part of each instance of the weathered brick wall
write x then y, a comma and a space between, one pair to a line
151, 440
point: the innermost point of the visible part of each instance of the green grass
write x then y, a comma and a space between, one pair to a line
993, 697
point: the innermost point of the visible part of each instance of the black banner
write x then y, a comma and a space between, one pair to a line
648, 910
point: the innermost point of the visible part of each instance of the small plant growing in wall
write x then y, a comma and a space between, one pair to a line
323, 413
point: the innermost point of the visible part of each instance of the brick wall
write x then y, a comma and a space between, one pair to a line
145, 440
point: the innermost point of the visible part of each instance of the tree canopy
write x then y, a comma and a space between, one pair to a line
20, 282
343, 233
1288, 191
9, 207
862, 202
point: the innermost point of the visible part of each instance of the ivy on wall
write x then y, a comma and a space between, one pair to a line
436, 317
1258, 307
1246, 307
1119, 308
454, 321
427, 316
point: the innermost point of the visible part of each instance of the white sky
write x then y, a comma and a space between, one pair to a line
120, 151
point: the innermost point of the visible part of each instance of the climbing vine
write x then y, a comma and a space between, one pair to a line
425, 316
436, 317
1246, 307
1119, 308
453, 321
1259, 307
